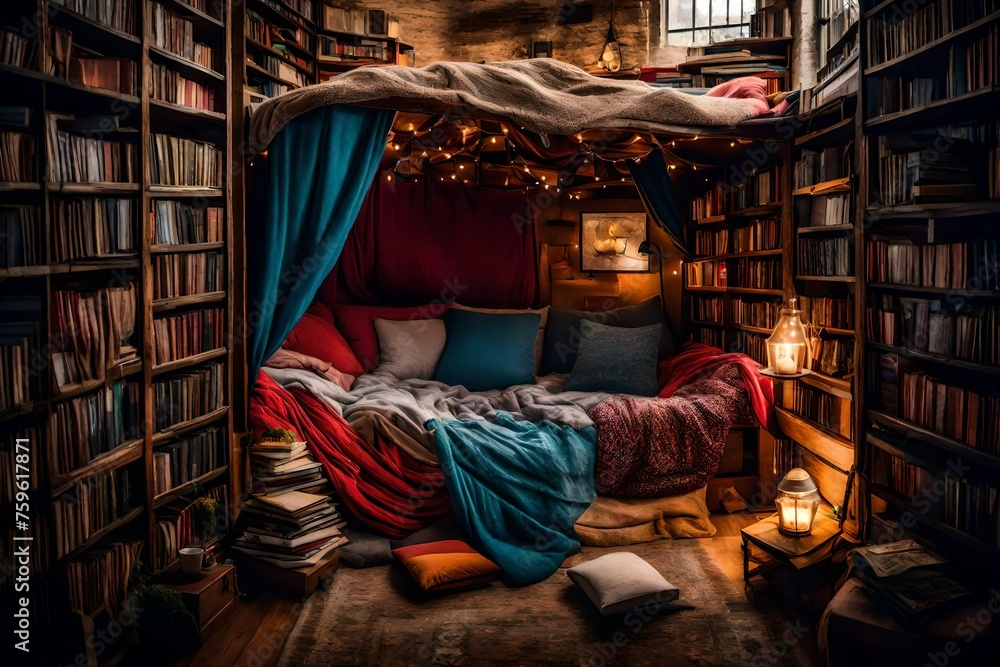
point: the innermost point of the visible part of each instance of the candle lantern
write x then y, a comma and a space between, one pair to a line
797, 502
788, 349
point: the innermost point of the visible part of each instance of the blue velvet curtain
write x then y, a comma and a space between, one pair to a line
319, 168
653, 182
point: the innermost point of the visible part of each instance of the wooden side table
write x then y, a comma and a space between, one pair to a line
780, 549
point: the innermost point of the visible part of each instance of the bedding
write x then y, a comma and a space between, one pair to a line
409, 348
616, 359
316, 336
488, 350
357, 325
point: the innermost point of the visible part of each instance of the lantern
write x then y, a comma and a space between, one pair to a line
788, 350
797, 502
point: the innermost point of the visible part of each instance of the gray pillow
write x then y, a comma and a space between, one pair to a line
366, 550
409, 348
622, 581
619, 360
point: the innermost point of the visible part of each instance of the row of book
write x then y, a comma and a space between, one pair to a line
259, 30
176, 529
74, 157
830, 312
17, 157
15, 368
177, 222
910, 170
709, 336
894, 33
188, 459
968, 265
707, 308
20, 236
754, 312
760, 234
759, 189
90, 228
10, 454
833, 356
829, 210
752, 345
213, 8
302, 7
710, 273
709, 204
264, 87
122, 15
756, 273
179, 161
935, 326
15, 50
189, 395
711, 243
825, 257
172, 32
188, 334
167, 85
93, 329
360, 21
99, 581
333, 49
92, 504
85, 427
187, 274
961, 414
282, 69
965, 505
831, 412
105, 72
820, 166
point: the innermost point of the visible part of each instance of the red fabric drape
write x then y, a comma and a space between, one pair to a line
698, 361
420, 242
380, 484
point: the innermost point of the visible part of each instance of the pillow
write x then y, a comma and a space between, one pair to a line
366, 550
622, 581
620, 360
357, 324
448, 565
539, 338
315, 336
409, 348
485, 351
562, 335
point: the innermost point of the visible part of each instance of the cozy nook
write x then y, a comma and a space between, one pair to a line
582, 332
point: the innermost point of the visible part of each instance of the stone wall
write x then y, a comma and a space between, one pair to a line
490, 30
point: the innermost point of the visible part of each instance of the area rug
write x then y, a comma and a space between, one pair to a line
376, 617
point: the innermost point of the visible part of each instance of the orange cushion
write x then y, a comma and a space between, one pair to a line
447, 565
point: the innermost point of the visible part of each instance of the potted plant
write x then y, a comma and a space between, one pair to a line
165, 629
205, 516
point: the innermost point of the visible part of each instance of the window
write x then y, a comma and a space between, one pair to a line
702, 22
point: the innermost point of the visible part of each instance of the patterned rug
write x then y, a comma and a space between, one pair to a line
376, 617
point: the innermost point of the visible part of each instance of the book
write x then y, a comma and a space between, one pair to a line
181, 336
172, 32
188, 395
177, 222
92, 504
188, 459
20, 236
170, 86
825, 256
17, 157
85, 427
184, 162
92, 228
121, 15
16, 49
83, 158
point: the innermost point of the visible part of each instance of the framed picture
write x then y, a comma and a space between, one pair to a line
610, 242
541, 49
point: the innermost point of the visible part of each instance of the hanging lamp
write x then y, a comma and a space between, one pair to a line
611, 54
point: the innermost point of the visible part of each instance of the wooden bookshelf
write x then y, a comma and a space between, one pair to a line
893, 215
45, 93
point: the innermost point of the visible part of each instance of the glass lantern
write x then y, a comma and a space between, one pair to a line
788, 349
797, 502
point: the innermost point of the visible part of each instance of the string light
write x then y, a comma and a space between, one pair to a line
388, 177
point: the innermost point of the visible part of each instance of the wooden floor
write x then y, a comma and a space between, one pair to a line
253, 633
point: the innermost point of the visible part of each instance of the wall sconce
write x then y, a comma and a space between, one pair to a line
788, 350
797, 502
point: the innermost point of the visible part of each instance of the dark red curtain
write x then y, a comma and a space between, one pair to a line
414, 243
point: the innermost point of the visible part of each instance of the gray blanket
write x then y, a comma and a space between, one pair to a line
541, 95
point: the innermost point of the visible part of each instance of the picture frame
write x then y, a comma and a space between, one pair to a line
609, 241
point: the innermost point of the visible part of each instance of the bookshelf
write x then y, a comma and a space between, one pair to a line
929, 256
769, 58
116, 256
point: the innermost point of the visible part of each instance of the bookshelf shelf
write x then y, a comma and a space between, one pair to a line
190, 425
941, 111
711, 220
931, 48
277, 54
753, 290
908, 430
165, 497
187, 67
825, 229
177, 112
118, 457
827, 279
707, 288
173, 303
179, 248
287, 13
837, 134
179, 191
833, 448
80, 24
97, 536
92, 188
938, 359
834, 331
703, 323
919, 289
825, 189
9, 186
187, 362
193, 13
260, 71
117, 372
879, 8
933, 211
746, 327
756, 210
33, 407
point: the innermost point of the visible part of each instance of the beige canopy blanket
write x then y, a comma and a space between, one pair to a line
542, 95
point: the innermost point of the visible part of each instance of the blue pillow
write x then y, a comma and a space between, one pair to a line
620, 360
488, 351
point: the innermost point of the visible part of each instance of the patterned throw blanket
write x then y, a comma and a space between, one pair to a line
655, 447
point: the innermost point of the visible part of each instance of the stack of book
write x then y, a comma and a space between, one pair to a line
825, 257
118, 14
833, 312
707, 308
92, 504
710, 204
755, 273
706, 274
279, 466
92, 69
290, 530
752, 312
16, 50
711, 243
179, 161
952, 411
760, 234
77, 155
16, 345
830, 210
100, 581
167, 85
18, 151
760, 189
175, 528
282, 69
943, 265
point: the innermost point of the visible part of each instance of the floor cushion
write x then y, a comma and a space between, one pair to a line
448, 565
622, 581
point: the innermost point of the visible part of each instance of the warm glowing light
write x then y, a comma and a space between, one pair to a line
395, 147
675, 273
388, 177
493, 140
453, 177
461, 166
424, 154
597, 178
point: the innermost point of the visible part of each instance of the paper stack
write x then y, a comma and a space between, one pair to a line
290, 530
279, 466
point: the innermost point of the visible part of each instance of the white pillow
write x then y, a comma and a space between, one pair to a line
622, 581
539, 338
409, 348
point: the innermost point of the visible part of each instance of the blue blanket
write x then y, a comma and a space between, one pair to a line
518, 488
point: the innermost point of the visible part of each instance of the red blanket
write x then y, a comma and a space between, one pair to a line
698, 361
380, 484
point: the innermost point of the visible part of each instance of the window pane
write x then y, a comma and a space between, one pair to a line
702, 37
701, 14
720, 12
679, 14
724, 34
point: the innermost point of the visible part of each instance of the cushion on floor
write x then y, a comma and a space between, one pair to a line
622, 581
613, 522
448, 565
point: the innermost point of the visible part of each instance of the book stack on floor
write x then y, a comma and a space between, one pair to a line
279, 466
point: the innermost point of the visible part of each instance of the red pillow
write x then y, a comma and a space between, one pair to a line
357, 324
316, 337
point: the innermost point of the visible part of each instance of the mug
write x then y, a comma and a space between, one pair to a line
191, 558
